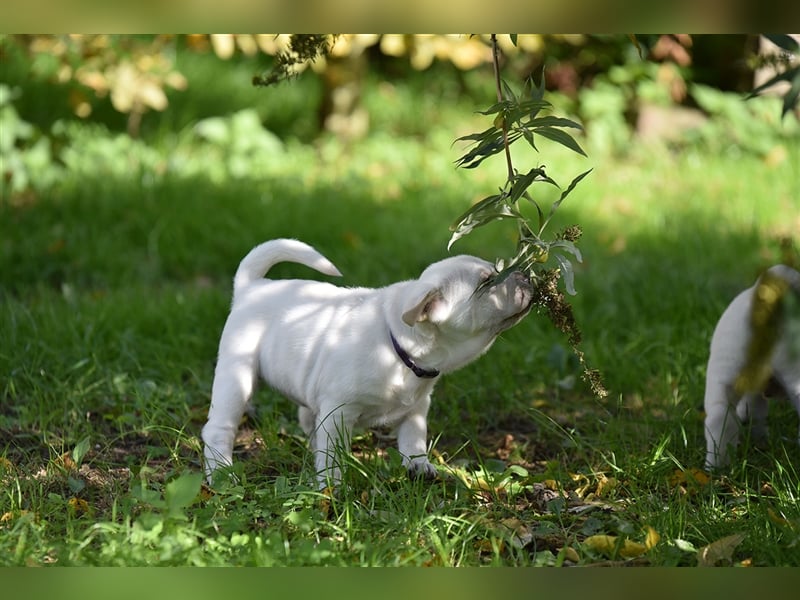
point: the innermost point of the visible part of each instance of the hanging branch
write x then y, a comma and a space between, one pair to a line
517, 117
496, 65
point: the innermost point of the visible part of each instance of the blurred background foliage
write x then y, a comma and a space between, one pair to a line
80, 102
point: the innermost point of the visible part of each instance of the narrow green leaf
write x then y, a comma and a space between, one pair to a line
560, 137
564, 194
632, 37
539, 212
477, 207
485, 149
550, 121
495, 108
508, 93
80, 450
513, 37
567, 273
523, 182
527, 107
477, 136
529, 138
790, 99
784, 41
468, 226
572, 185
570, 247
789, 75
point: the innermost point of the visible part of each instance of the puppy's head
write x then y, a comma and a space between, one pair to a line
458, 302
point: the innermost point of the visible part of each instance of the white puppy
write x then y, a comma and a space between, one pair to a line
352, 357
754, 340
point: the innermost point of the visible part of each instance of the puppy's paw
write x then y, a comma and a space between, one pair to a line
422, 469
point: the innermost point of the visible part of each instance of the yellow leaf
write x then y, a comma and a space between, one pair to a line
570, 554
521, 535
488, 546
610, 546
652, 537
5, 464
206, 492
719, 552
78, 505
778, 519
66, 461
325, 501
605, 485
606, 544
631, 549
584, 484
699, 476
684, 476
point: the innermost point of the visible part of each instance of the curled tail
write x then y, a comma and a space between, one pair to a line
264, 256
767, 322
786, 274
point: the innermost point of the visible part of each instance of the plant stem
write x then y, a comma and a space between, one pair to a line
496, 63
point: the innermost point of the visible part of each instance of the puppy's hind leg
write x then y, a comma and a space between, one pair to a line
234, 382
791, 384
721, 423
752, 410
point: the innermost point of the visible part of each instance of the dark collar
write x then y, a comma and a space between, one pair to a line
409, 362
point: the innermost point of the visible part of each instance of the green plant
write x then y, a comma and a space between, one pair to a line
25, 155
303, 48
787, 71
516, 117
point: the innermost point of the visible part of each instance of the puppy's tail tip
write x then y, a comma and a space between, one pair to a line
264, 256
787, 274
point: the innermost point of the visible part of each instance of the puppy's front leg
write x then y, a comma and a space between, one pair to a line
329, 440
412, 434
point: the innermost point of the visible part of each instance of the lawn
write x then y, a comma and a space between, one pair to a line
115, 283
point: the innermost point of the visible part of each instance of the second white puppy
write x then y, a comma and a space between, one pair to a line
753, 341
352, 357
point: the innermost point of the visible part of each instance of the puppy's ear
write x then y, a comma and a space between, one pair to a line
422, 310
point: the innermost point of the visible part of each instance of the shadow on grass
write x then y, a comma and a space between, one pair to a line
152, 265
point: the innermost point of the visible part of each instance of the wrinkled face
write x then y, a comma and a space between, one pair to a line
462, 304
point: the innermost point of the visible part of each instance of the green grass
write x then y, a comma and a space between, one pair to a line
115, 285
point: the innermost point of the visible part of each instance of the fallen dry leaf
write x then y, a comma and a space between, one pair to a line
584, 485
607, 545
685, 477
570, 554
78, 505
652, 537
779, 519
719, 552
610, 545
65, 461
325, 501
605, 485
522, 535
